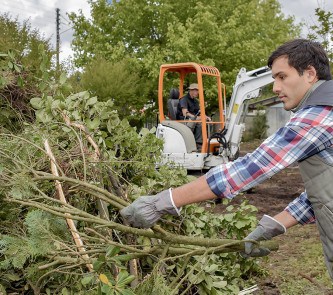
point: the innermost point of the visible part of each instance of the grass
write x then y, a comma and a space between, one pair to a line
298, 268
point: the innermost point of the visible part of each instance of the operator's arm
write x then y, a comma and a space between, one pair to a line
186, 113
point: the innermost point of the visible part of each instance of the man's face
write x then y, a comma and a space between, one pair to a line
194, 93
289, 85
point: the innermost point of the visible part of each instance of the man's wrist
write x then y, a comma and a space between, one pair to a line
173, 203
283, 228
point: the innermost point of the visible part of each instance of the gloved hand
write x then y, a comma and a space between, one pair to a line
145, 211
267, 228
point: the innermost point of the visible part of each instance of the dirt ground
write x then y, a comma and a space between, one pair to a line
270, 198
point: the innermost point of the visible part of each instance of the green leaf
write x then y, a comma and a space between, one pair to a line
76, 115
212, 268
12, 277
97, 265
220, 284
36, 103
84, 95
241, 223
20, 81
92, 125
87, 280
66, 129
91, 101
55, 104
229, 217
209, 282
2, 81
17, 68
112, 251
125, 280
43, 116
107, 290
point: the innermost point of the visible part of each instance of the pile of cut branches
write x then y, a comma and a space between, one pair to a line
63, 181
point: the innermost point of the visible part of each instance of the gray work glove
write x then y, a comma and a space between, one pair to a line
145, 211
267, 228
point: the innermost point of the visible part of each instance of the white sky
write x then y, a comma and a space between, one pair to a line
42, 15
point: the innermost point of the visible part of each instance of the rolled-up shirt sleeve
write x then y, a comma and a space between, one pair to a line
301, 209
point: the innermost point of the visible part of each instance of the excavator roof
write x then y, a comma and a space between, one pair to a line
190, 67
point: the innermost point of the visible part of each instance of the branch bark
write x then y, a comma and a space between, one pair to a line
76, 237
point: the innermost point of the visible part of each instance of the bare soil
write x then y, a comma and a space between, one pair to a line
288, 266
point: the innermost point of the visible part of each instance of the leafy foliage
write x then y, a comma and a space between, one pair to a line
120, 83
24, 40
26, 72
21, 52
323, 31
219, 274
126, 150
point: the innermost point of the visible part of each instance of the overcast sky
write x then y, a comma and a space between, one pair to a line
42, 15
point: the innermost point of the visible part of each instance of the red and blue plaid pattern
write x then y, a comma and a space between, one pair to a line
309, 132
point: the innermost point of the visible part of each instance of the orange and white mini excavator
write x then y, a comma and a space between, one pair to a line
221, 136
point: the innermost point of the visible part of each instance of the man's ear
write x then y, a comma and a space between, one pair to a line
311, 74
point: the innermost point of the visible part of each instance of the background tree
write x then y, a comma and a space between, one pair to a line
24, 40
323, 31
226, 34
23, 52
118, 82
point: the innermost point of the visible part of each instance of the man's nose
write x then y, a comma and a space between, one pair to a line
276, 87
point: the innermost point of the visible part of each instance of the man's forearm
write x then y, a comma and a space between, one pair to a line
193, 192
286, 219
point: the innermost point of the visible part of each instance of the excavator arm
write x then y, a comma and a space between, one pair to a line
247, 86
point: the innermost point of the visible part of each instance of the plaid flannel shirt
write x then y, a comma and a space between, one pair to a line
309, 132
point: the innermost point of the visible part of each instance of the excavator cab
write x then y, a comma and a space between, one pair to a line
179, 144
